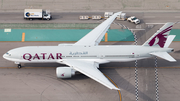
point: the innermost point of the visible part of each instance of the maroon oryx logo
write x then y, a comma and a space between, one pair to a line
160, 38
62, 74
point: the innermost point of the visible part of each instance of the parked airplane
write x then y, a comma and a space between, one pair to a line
85, 55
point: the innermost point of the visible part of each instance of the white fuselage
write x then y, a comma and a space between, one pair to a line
100, 54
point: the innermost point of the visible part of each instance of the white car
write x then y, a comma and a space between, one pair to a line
133, 19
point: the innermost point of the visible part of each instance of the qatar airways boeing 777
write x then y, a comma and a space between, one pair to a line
85, 55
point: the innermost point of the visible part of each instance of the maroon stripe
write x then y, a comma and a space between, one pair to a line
167, 28
164, 31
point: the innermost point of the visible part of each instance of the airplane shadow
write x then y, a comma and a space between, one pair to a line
123, 83
110, 70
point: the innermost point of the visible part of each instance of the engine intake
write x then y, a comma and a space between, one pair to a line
64, 72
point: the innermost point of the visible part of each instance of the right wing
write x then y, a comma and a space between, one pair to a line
89, 68
94, 37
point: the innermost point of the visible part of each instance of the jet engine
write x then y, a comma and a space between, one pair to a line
64, 72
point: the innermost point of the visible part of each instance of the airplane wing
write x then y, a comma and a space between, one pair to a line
89, 68
94, 37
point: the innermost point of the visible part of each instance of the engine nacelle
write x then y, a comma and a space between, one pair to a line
64, 72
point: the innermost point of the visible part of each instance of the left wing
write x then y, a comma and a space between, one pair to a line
94, 37
89, 68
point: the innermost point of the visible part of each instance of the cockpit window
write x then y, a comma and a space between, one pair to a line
134, 18
8, 54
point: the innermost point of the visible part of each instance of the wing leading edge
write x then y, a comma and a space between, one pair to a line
89, 68
94, 37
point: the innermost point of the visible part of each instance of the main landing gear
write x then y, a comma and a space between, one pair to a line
19, 66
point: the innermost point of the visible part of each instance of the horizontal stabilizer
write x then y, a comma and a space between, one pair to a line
169, 40
164, 55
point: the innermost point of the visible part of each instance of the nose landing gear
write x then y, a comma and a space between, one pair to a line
19, 66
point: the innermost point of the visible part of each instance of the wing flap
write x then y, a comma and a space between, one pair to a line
164, 55
89, 68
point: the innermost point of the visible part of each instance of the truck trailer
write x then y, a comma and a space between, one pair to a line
121, 16
37, 14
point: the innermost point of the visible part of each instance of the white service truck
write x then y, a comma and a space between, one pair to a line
84, 17
37, 14
96, 17
121, 16
107, 14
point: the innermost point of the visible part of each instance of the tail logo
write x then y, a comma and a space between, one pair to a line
62, 74
160, 38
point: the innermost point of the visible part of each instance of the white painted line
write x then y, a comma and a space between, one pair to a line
7, 30
154, 23
149, 17
146, 87
137, 29
177, 16
177, 22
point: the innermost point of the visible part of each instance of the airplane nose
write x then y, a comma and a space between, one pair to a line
4, 55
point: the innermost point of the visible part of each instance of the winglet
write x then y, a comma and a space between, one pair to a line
116, 89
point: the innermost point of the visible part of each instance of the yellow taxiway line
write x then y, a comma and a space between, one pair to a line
116, 86
106, 37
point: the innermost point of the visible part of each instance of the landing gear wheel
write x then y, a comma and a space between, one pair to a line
19, 66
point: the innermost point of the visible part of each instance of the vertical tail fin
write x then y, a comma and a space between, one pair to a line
160, 37
169, 40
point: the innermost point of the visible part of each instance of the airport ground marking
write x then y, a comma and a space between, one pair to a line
149, 16
101, 67
155, 23
156, 79
137, 29
23, 37
115, 85
106, 37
